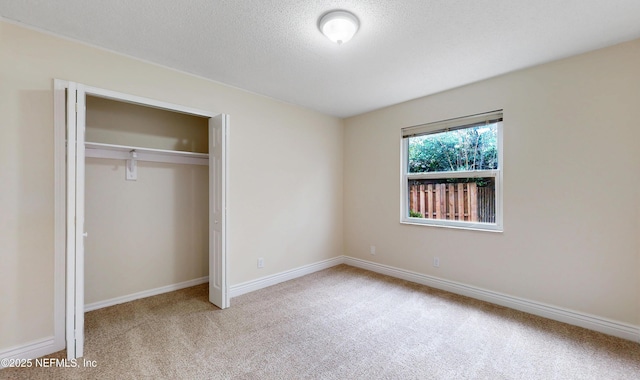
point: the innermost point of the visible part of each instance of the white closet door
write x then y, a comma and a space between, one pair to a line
217, 265
75, 219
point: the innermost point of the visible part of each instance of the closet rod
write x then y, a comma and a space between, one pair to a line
123, 152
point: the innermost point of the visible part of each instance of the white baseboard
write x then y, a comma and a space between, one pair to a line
622, 330
588, 321
46, 346
31, 350
263, 282
144, 294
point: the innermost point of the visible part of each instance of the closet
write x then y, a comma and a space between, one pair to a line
147, 220
144, 197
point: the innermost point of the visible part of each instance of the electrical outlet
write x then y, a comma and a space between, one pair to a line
260, 262
372, 249
436, 262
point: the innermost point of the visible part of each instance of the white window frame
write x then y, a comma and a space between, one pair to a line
406, 176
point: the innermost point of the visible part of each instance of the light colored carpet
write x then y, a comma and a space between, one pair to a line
340, 323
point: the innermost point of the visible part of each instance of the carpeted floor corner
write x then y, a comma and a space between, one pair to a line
340, 323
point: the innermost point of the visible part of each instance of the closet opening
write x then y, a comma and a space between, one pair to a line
140, 202
147, 217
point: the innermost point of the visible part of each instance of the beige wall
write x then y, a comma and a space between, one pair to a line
147, 233
571, 204
285, 184
112, 122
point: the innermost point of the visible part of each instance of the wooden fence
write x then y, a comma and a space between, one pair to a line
453, 201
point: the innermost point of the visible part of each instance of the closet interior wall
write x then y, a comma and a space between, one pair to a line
151, 232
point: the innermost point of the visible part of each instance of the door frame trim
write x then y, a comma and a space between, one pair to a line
61, 292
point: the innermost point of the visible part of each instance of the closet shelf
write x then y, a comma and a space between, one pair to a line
123, 152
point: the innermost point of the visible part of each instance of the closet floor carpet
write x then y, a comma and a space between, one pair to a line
340, 323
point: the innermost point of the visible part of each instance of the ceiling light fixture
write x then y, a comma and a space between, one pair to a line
339, 26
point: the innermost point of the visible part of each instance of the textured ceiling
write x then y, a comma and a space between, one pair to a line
404, 49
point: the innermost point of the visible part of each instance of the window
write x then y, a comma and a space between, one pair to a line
452, 173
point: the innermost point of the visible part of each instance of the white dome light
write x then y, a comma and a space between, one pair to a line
339, 26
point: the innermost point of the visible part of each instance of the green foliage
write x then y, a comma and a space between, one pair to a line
466, 149
415, 214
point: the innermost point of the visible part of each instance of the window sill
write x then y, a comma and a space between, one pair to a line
495, 228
